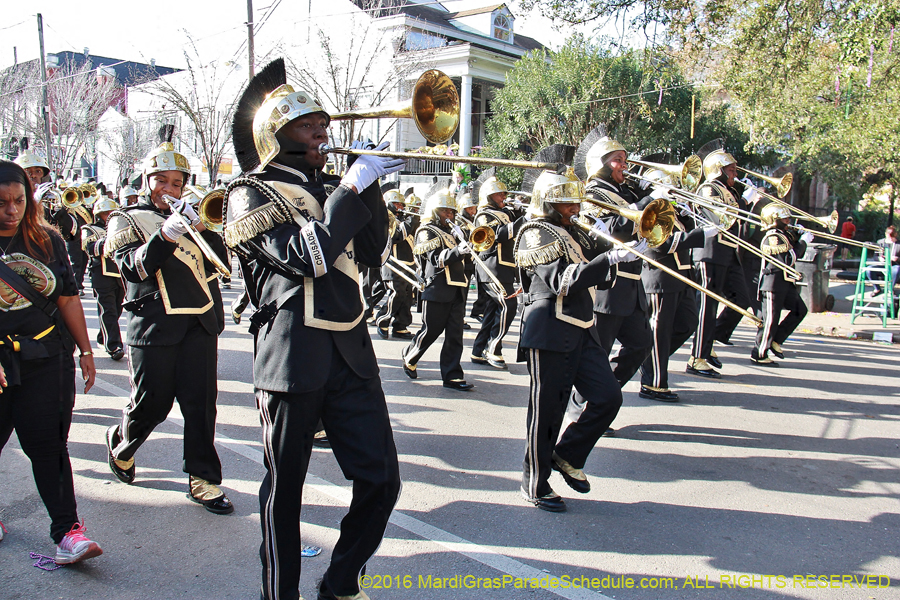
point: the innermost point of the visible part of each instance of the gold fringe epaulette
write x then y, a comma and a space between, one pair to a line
427, 246
773, 249
257, 221
775, 242
116, 240
532, 257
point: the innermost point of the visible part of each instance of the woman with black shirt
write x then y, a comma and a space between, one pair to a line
37, 370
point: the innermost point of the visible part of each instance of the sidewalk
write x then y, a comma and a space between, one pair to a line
836, 323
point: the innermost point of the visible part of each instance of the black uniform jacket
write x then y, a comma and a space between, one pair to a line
443, 265
168, 285
720, 250
784, 246
499, 258
402, 246
93, 240
63, 221
559, 267
627, 292
300, 243
674, 253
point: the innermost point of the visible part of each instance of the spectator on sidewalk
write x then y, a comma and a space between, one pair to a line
848, 231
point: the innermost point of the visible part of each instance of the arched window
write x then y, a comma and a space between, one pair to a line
502, 27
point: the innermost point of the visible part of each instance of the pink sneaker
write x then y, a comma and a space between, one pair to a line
75, 547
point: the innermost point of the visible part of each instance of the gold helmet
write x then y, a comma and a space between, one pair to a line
439, 199
413, 202
770, 213
593, 162
491, 186
125, 192
28, 159
552, 188
104, 204
266, 105
465, 200
163, 158
391, 196
714, 161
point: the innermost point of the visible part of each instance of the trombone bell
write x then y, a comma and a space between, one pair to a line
482, 238
434, 107
655, 223
781, 184
210, 210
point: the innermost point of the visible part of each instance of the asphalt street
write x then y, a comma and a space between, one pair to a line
770, 483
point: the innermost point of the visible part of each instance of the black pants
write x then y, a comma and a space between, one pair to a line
633, 332
397, 308
728, 319
40, 410
499, 313
239, 305
162, 374
552, 377
78, 260
110, 294
355, 416
437, 318
772, 305
673, 320
728, 282
481, 300
373, 289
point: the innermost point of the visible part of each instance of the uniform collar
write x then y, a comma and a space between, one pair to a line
293, 171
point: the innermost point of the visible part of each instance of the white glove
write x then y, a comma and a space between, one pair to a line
660, 193
622, 255
600, 228
464, 248
181, 206
751, 195
710, 232
367, 169
41, 190
174, 228
644, 184
807, 237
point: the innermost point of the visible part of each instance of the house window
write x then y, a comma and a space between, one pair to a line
502, 27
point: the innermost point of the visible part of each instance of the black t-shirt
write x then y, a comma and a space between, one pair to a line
53, 278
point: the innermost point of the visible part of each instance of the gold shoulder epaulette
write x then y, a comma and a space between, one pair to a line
538, 244
120, 232
251, 216
774, 243
426, 241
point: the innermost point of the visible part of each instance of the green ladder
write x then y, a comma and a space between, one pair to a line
882, 306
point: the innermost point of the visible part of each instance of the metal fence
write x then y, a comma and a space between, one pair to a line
427, 166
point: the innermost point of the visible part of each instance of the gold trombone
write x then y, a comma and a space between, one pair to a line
88, 193
781, 184
687, 175
582, 222
462, 238
205, 248
655, 223
210, 210
406, 273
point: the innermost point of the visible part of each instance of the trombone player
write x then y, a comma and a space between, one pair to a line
397, 309
37, 170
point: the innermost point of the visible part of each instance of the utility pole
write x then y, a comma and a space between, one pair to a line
250, 58
45, 108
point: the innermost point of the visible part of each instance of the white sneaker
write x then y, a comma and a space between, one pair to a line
2, 531
75, 547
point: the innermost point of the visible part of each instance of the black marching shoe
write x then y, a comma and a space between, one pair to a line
117, 354
478, 360
403, 334
698, 366
459, 385
122, 469
382, 332
236, 317
574, 478
776, 349
466, 325
714, 362
320, 440
610, 432
763, 361
324, 593
209, 495
410, 370
652, 393
551, 502
496, 361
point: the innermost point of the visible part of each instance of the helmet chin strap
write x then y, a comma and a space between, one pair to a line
293, 154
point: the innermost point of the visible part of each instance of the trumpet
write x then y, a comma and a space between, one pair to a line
205, 248
581, 221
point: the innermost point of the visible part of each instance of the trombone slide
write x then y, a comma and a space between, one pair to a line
406, 273
462, 238
619, 244
469, 160
207, 250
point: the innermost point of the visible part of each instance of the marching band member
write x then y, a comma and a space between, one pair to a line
777, 291
105, 280
620, 312
443, 260
175, 315
500, 310
717, 264
302, 236
465, 218
397, 308
37, 170
559, 267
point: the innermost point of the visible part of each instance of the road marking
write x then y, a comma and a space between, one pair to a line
454, 543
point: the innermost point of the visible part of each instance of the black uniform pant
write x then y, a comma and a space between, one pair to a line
499, 313
481, 300
397, 308
673, 320
728, 282
772, 305
239, 304
552, 377
162, 374
78, 260
633, 333
355, 416
437, 318
40, 410
110, 294
728, 319
373, 289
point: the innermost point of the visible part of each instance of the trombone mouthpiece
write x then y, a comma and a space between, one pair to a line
324, 148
